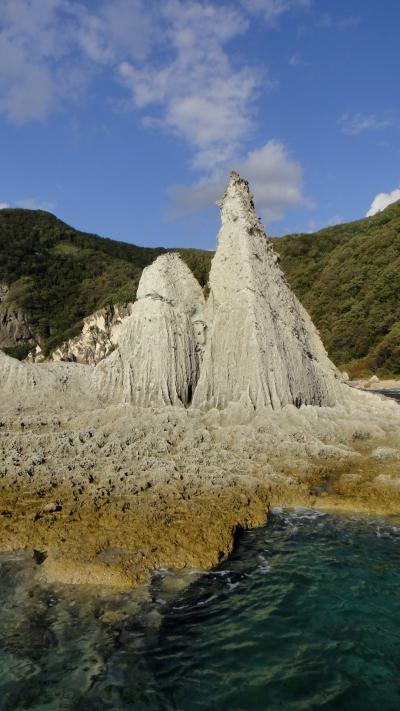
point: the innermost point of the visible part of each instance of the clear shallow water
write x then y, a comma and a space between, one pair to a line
394, 393
305, 615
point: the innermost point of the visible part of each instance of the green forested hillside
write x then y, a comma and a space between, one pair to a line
58, 275
347, 276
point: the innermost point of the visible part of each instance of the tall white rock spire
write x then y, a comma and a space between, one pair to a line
262, 348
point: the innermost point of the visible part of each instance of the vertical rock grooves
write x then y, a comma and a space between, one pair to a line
157, 362
252, 343
262, 349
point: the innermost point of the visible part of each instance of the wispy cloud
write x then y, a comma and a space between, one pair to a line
199, 94
3, 205
275, 178
296, 60
50, 48
272, 10
382, 200
179, 64
36, 72
116, 29
354, 123
316, 225
344, 23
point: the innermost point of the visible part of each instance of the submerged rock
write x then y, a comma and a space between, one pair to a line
262, 348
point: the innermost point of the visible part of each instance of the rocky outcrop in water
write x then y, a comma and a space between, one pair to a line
108, 474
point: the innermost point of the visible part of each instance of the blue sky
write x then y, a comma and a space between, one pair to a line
124, 117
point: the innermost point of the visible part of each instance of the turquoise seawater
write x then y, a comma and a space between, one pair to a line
304, 615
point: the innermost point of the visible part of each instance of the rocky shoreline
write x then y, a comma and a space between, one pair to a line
375, 383
207, 413
108, 496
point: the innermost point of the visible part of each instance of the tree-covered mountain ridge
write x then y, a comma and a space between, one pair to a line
347, 276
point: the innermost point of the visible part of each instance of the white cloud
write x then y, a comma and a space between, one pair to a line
296, 60
49, 49
382, 200
354, 123
179, 62
118, 29
34, 77
316, 225
199, 93
29, 204
345, 23
348, 22
272, 10
172, 57
275, 180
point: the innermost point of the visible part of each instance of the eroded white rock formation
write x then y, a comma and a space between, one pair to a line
157, 359
252, 343
262, 348
99, 336
56, 385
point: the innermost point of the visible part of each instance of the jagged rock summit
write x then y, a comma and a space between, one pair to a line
252, 342
262, 348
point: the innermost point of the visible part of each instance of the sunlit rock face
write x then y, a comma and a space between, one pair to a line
262, 348
49, 385
99, 336
252, 342
158, 356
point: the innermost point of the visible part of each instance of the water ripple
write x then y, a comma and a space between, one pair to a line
304, 615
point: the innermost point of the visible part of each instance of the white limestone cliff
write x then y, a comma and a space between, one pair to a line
252, 343
99, 336
262, 348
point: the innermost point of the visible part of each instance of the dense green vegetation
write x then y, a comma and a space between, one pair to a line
58, 275
347, 276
